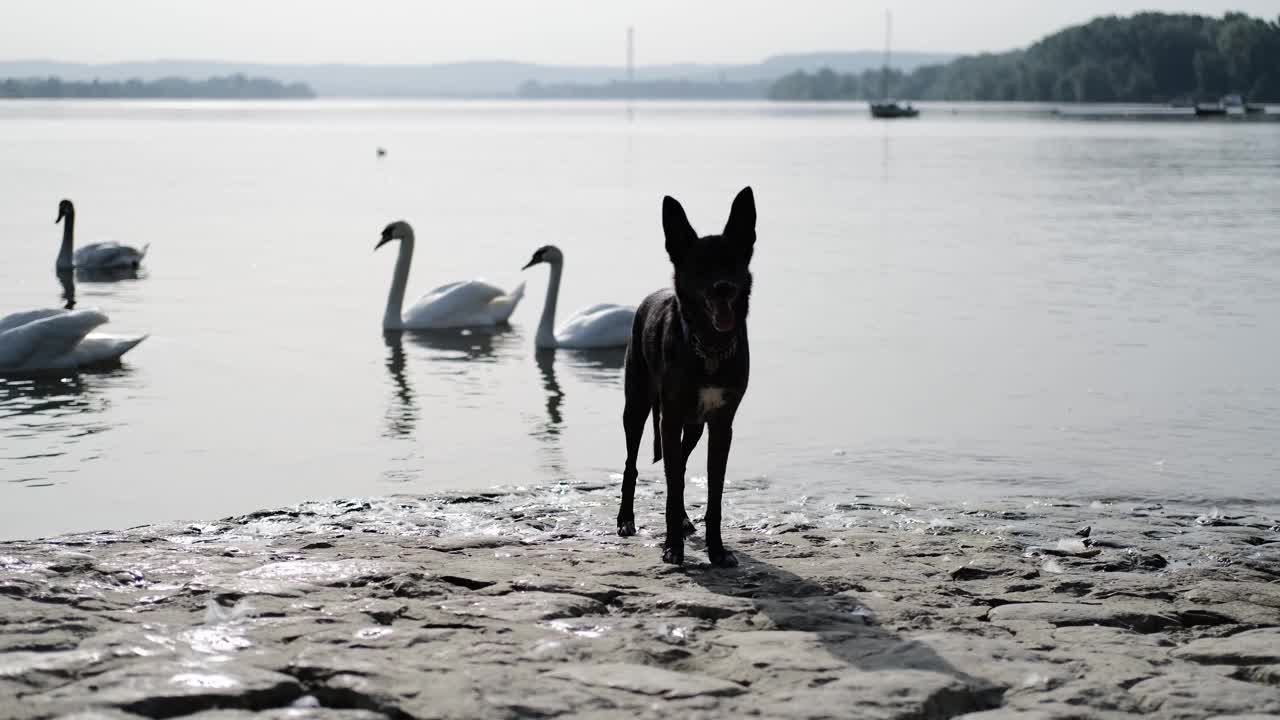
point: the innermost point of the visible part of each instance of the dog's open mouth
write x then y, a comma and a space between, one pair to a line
721, 312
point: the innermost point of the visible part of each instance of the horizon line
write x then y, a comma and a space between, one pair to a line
484, 61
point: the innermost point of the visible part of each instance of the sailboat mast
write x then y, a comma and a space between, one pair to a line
631, 55
888, 54
885, 107
631, 70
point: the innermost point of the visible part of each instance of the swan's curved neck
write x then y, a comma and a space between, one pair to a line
547, 327
65, 258
392, 319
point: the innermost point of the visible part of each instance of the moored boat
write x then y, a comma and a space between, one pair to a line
885, 108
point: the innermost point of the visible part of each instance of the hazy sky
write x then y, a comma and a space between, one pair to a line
551, 31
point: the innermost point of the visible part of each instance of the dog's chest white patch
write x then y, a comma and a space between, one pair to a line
710, 399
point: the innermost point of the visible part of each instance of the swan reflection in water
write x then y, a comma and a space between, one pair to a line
482, 344
596, 366
402, 413
50, 394
67, 279
468, 345
107, 275
548, 431
600, 366
546, 360
456, 354
34, 407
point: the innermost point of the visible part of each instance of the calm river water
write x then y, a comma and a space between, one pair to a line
968, 305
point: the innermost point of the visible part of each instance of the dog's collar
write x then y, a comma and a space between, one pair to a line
712, 356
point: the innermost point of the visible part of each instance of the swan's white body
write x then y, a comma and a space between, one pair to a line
108, 256
95, 256
469, 303
599, 326
38, 340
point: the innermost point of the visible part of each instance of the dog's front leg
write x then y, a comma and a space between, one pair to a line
720, 431
673, 467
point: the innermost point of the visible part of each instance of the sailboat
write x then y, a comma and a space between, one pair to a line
887, 108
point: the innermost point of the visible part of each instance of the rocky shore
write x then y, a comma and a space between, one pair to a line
524, 603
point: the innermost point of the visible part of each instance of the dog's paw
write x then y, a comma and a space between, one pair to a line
722, 558
627, 528
673, 556
689, 527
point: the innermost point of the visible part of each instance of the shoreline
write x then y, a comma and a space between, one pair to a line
524, 603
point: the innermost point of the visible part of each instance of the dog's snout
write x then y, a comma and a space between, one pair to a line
724, 290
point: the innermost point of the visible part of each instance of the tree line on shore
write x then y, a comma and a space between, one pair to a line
230, 87
1149, 57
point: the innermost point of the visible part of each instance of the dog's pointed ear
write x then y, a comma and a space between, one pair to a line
675, 225
742, 217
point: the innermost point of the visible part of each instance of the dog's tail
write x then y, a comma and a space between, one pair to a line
657, 433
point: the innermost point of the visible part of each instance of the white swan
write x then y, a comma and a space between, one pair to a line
598, 326
95, 256
38, 340
470, 303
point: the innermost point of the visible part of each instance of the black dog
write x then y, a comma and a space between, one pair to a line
688, 361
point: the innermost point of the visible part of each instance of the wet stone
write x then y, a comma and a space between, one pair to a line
524, 606
1262, 674
645, 680
1252, 647
888, 694
1196, 695
161, 689
526, 603
1139, 616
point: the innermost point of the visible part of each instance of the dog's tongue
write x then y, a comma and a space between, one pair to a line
721, 315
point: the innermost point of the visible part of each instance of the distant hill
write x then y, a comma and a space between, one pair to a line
649, 90
1149, 57
496, 78
712, 82
231, 87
